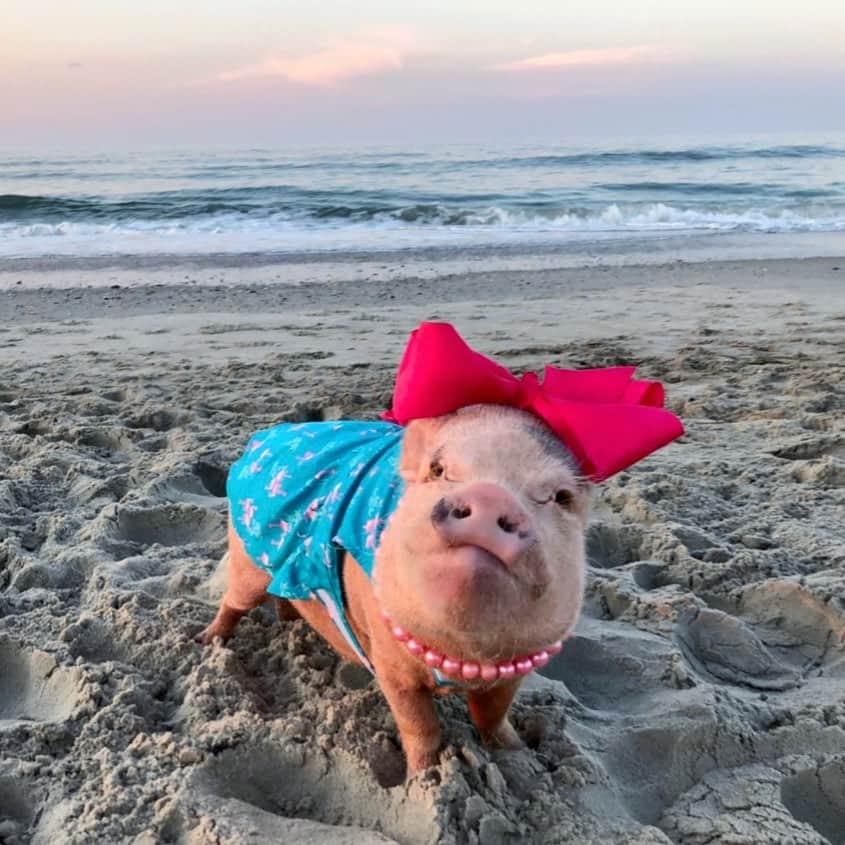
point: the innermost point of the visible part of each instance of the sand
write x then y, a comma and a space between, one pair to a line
701, 701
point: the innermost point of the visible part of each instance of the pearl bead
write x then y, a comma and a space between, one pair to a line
451, 667
541, 658
489, 672
414, 646
470, 671
400, 633
555, 648
524, 665
506, 670
433, 658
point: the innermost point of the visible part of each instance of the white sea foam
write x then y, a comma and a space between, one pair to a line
387, 231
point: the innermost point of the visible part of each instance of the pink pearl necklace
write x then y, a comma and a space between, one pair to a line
469, 670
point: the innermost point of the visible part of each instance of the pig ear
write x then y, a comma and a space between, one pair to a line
416, 445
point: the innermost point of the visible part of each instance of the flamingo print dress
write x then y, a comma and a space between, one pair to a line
303, 494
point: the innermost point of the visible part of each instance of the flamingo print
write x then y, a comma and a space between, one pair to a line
370, 528
311, 511
274, 488
282, 525
248, 510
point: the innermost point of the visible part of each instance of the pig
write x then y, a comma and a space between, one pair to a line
477, 571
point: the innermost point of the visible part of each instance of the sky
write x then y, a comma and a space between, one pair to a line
130, 74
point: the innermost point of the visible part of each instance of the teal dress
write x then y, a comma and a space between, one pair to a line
302, 495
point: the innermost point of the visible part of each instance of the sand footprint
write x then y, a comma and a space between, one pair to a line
795, 623
812, 447
723, 648
203, 483
85, 489
818, 460
755, 803
828, 473
136, 527
157, 419
33, 688
611, 666
289, 783
700, 545
610, 546
93, 639
816, 796
19, 804
110, 440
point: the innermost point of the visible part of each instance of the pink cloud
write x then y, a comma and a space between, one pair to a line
582, 58
378, 53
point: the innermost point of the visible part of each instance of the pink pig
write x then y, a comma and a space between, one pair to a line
479, 572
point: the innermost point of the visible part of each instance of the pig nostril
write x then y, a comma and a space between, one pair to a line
440, 512
506, 525
461, 511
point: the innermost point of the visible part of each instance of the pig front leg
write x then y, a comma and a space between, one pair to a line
489, 711
416, 719
246, 588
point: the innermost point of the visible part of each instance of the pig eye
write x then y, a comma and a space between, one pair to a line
565, 499
436, 470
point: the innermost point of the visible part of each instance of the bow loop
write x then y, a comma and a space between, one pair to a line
606, 418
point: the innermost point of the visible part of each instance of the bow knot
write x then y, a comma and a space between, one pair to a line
606, 418
529, 388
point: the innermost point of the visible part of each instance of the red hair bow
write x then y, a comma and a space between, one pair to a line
606, 418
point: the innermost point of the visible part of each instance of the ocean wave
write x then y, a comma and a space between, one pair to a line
337, 206
574, 158
245, 163
613, 217
661, 156
718, 189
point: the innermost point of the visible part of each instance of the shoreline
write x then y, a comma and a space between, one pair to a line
293, 268
255, 290
357, 321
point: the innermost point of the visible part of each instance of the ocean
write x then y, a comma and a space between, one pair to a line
375, 200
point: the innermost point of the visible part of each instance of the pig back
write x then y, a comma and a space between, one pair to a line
302, 494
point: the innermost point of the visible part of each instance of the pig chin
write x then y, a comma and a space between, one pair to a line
465, 601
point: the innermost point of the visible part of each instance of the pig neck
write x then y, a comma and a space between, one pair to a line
470, 670
364, 615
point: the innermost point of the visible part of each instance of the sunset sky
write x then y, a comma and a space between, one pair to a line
106, 73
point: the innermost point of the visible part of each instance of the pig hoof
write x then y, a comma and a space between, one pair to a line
420, 763
208, 636
505, 736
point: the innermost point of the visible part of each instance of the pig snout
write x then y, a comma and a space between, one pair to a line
486, 516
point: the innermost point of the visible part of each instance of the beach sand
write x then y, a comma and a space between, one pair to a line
702, 699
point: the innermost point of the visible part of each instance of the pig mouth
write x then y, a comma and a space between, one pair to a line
477, 569
468, 574
478, 558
